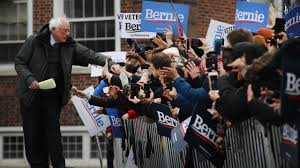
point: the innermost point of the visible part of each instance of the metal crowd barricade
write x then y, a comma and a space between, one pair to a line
248, 145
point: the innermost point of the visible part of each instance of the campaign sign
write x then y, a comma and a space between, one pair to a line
94, 122
202, 135
290, 87
130, 26
290, 98
118, 130
164, 119
216, 31
292, 22
287, 6
156, 16
289, 144
177, 135
251, 15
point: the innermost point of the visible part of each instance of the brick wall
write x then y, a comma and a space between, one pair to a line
42, 13
9, 103
200, 14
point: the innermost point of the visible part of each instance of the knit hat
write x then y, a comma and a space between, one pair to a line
259, 39
265, 32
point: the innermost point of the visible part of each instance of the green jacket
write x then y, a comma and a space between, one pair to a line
31, 63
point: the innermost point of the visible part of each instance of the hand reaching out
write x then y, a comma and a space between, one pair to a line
169, 35
193, 70
282, 40
135, 100
221, 69
250, 93
276, 105
169, 72
161, 44
175, 111
116, 68
81, 94
99, 110
214, 94
191, 54
132, 55
125, 116
149, 99
170, 94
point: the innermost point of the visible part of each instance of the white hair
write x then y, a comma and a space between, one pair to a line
55, 22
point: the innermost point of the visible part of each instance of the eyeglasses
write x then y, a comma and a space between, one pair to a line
63, 30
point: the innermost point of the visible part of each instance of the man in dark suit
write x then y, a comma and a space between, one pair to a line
48, 54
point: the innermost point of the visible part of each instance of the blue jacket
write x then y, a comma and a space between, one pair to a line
194, 95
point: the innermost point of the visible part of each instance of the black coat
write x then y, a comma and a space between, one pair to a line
31, 63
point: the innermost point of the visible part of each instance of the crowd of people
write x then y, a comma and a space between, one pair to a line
234, 82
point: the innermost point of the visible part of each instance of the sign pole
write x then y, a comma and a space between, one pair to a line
99, 151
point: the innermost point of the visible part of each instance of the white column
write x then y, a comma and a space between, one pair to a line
117, 34
58, 8
29, 17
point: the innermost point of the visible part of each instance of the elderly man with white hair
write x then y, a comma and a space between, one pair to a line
45, 55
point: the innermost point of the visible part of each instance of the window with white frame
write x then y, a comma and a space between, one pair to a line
92, 23
79, 149
94, 147
13, 26
72, 146
13, 147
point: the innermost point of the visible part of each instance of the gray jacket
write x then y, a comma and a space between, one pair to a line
31, 63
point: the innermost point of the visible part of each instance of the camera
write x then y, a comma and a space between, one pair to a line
213, 80
218, 45
168, 83
147, 90
161, 35
138, 48
187, 44
134, 90
227, 57
211, 61
269, 99
196, 43
278, 27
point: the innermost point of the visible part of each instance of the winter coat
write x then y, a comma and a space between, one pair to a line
194, 95
31, 63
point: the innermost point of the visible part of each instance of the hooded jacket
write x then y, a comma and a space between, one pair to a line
31, 63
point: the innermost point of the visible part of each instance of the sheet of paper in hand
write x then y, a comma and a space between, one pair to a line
116, 56
96, 71
47, 84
